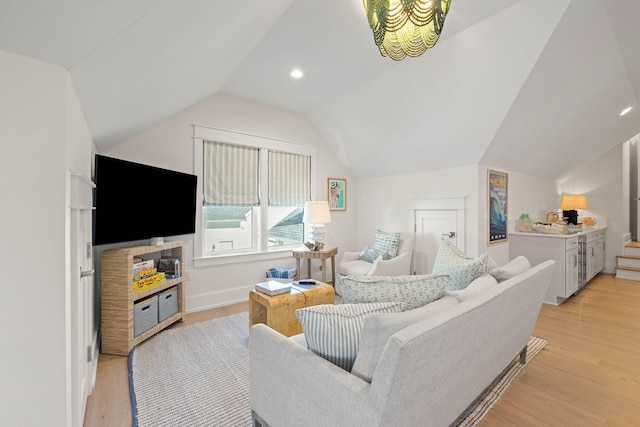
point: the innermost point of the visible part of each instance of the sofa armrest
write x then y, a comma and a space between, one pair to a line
398, 266
291, 386
350, 256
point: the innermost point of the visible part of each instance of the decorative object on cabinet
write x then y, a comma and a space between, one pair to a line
128, 316
570, 205
497, 189
337, 194
316, 215
525, 224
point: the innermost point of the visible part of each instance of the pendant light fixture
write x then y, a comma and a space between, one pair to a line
406, 27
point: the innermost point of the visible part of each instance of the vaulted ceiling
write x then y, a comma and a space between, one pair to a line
533, 86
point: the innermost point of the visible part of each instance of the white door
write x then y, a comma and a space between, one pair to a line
82, 321
432, 226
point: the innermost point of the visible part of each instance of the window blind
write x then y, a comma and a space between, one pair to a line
231, 175
289, 179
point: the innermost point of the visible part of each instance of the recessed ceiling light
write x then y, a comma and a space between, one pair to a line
296, 73
625, 111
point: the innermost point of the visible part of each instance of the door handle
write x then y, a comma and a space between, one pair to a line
86, 273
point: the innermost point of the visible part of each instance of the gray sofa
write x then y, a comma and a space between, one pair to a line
426, 366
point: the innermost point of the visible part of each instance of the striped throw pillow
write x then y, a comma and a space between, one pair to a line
333, 331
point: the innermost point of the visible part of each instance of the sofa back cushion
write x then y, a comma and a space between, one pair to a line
475, 288
413, 291
378, 328
518, 265
333, 331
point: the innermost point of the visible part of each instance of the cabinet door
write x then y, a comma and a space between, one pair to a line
572, 272
591, 260
600, 255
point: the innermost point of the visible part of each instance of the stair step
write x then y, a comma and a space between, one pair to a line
633, 250
628, 273
623, 267
628, 261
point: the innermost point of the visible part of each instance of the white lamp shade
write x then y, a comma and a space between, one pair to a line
316, 212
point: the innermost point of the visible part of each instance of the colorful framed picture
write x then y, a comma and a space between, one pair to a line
497, 189
337, 194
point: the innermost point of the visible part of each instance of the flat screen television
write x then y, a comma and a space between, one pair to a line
136, 202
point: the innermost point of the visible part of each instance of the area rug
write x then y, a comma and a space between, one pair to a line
194, 375
198, 375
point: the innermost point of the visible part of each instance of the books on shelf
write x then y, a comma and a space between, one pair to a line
148, 282
273, 288
141, 265
144, 274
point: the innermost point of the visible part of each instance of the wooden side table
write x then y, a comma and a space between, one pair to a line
323, 255
279, 311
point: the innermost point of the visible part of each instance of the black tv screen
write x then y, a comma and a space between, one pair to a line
136, 202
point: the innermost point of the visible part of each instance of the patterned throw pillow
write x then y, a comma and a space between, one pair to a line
333, 331
462, 269
412, 291
371, 254
387, 242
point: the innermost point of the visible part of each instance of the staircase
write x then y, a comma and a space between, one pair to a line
628, 265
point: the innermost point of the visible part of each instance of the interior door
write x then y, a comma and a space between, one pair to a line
82, 316
432, 226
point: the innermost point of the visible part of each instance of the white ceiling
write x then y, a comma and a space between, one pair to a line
533, 86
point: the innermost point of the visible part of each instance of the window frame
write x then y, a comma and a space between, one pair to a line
203, 133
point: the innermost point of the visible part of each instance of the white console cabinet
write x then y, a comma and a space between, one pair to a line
579, 257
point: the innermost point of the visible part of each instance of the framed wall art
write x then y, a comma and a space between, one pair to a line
497, 189
337, 194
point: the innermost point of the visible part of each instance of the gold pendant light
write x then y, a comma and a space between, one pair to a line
406, 27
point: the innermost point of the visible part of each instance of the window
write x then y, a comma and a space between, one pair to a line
253, 191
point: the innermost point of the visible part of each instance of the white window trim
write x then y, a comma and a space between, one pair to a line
203, 133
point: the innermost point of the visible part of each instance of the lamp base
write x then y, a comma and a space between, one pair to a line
571, 215
316, 237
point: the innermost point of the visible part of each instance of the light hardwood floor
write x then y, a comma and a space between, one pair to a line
587, 375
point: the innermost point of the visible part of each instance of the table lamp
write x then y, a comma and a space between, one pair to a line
316, 215
570, 204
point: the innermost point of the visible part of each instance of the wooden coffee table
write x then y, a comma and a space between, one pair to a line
279, 312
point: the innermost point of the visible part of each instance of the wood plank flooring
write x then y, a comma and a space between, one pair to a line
589, 372
587, 375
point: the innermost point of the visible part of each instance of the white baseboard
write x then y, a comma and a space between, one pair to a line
210, 300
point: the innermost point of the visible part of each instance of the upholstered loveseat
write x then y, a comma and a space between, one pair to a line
421, 367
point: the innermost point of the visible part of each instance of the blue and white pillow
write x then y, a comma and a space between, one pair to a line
412, 291
461, 268
387, 242
371, 254
333, 331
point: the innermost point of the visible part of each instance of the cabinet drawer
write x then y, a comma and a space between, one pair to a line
571, 243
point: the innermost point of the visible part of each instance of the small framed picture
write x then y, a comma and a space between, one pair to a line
337, 194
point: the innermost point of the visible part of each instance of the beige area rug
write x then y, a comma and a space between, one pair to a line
198, 375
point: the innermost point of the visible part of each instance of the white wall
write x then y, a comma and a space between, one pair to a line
602, 183
36, 106
169, 145
526, 194
383, 203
